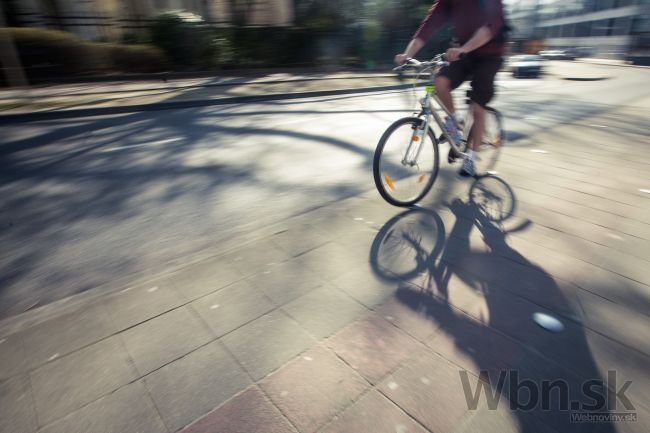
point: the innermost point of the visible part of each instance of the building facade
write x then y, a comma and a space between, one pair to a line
605, 28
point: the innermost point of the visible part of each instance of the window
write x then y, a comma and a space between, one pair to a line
568, 30
599, 28
621, 26
583, 29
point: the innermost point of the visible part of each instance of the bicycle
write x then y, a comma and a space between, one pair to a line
404, 168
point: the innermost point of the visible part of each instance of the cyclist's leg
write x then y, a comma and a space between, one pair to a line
448, 79
485, 70
478, 127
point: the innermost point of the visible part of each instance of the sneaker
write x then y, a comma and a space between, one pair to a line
467, 169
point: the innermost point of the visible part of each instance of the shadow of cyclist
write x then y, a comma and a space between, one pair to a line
482, 294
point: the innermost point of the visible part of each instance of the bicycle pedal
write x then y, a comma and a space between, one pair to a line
453, 156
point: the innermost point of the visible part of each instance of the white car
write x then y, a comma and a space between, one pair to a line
526, 66
558, 55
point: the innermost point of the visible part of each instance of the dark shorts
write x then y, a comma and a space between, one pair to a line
480, 69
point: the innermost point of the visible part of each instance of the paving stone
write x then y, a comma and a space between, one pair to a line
324, 311
285, 282
313, 388
617, 322
629, 364
256, 257
360, 241
536, 370
371, 208
330, 261
620, 290
336, 222
606, 257
249, 412
267, 343
513, 316
203, 278
373, 346
138, 304
12, 356
194, 385
410, 318
129, 409
502, 420
299, 239
418, 388
374, 413
366, 287
16, 406
233, 306
161, 340
641, 425
566, 265
65, 334
68, 383
475, 347
492, 273
458, 288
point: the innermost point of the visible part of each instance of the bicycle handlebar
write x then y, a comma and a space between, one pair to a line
437, 61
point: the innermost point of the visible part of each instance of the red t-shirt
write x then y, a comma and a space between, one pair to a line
467, 16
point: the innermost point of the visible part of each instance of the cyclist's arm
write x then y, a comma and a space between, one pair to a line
493, 24
413, 47
432, 22
481, 37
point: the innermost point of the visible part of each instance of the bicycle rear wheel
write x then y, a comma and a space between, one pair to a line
494, 138
404, 169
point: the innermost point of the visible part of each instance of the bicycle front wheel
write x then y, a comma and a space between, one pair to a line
406, 162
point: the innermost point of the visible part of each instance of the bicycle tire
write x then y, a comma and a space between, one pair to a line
491, 144
376, 166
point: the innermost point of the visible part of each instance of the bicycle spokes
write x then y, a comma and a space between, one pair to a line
406, 162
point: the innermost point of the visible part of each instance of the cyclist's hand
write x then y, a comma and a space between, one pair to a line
401, 58
453, 54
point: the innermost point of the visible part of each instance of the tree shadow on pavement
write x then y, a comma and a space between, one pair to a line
65, 183
482, 295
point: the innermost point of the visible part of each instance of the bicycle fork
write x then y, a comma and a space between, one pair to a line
414, 148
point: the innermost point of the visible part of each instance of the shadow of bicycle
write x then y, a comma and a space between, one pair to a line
482, 294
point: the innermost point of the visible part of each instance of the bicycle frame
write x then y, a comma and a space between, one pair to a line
429, 110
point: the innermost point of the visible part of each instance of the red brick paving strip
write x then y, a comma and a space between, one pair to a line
374, 413
373, 347
249, 412
313, 388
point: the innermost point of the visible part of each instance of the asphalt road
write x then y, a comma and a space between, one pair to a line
98, 202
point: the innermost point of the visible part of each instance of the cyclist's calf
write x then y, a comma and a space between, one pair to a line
443, 90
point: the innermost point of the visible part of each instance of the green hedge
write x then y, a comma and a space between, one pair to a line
50, 54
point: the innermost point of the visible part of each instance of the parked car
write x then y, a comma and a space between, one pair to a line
557, 55
526, 66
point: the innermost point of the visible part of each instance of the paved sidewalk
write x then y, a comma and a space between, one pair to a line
92, 99
360, 317
93, 96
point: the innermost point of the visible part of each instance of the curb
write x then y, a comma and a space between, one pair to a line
624, 65
158, 106
180, 75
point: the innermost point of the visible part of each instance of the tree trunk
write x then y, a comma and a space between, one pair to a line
9, 56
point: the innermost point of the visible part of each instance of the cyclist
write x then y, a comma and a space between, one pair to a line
480, 29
